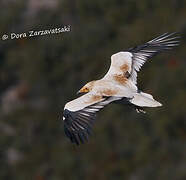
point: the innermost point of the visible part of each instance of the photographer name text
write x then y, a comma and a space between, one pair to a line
36, 33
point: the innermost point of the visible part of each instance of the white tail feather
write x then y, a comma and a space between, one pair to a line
144, 100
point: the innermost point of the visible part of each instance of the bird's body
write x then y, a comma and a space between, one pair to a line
118, 85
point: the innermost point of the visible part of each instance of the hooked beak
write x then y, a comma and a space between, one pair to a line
79, 92
82, 91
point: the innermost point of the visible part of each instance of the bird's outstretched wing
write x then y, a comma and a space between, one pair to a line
140, 54
80, 114
128, 63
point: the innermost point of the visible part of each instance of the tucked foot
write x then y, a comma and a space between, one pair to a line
139, 109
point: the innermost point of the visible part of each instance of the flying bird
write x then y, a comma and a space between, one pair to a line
118, 85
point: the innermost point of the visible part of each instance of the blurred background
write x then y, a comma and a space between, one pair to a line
38, 75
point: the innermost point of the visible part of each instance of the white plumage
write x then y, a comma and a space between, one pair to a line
118, 85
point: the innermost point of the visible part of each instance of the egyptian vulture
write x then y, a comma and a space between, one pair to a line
118, 85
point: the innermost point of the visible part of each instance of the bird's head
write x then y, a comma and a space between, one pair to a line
86, 88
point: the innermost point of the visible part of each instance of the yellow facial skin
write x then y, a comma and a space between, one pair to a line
87, 88
83, 90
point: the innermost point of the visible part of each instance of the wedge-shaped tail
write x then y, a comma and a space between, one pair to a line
144, 100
